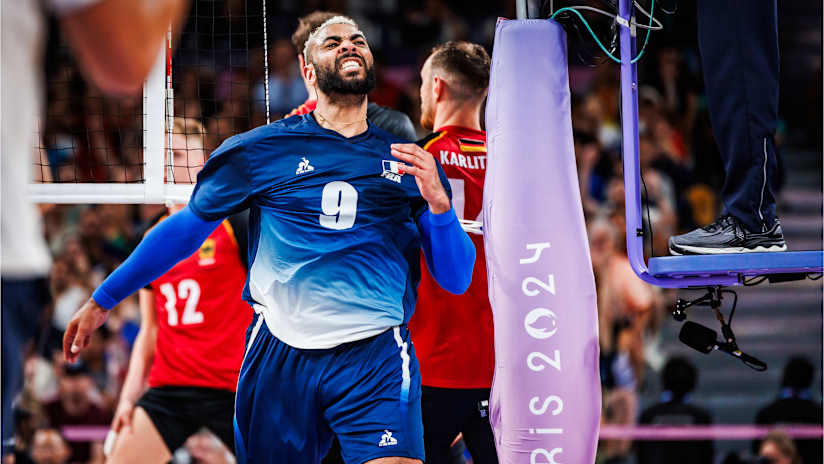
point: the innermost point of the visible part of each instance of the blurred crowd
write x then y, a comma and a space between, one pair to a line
218, 85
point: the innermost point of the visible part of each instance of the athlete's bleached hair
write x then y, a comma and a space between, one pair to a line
315, 38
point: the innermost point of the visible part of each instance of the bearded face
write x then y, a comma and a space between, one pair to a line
343, 63
427, 111
349, 74
427, 97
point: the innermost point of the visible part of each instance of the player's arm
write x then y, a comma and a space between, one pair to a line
449, 252
169, 242
118, 41
140, 361
223, 188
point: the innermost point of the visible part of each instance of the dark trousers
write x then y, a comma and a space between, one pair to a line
450, 411
22, 303
738, 40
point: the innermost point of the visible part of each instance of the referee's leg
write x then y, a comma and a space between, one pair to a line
738, 41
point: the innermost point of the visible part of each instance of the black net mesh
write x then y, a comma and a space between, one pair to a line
85, 136
216, 77
217, 61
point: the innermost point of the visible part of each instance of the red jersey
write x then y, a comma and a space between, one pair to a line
453, 334
307, 107
201, 317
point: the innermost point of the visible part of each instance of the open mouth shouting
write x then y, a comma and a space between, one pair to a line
351, 63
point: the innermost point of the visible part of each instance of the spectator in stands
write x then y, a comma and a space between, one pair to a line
49, 447
676, 87
103, 372
679, 379
75, 405
67, 288
591, 179
235, 114
28, 418
286, 87
778, 448
621, 295
795, 405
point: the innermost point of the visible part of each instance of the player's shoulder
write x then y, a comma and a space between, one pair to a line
292, 125
390, 120
276, 133
386, 136
430, 139
455, 138
442, 139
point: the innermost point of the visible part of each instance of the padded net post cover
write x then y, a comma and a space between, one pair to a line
546, 397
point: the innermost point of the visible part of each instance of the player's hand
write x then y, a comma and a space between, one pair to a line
421, 164
79, 331
123, 416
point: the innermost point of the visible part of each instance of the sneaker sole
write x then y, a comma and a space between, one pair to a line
691, 250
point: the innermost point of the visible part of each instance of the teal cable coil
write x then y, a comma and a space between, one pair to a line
598, 41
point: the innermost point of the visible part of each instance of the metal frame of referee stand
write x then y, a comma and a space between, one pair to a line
712, 272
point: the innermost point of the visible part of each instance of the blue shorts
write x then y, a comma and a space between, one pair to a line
291, 402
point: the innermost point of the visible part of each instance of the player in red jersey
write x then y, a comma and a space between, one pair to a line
191, 339
453, 334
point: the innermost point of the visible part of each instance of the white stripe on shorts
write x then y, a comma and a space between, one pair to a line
255, 330
404, 363
252, 337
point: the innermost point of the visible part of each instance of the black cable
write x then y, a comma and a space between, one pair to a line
734, 304
754, 367
753, 281
649, 221
583, 50
810, 276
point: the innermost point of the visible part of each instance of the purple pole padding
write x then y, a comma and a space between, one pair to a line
546, 396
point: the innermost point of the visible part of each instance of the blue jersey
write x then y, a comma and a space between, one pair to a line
334, 247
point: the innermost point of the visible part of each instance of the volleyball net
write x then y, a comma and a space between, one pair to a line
206, 86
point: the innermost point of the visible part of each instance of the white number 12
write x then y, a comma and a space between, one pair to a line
189, 290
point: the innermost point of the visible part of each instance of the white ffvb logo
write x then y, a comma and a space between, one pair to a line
304, 167
387, 439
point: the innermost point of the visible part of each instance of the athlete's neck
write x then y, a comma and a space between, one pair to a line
458, 113
345, 115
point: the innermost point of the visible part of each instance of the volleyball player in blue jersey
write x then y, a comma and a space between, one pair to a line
339, 211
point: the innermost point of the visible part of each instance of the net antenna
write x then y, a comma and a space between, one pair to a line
265, 62
170, 108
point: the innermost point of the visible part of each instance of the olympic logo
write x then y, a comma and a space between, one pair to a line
542, 324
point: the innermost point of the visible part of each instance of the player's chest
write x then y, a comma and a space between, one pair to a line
323, 178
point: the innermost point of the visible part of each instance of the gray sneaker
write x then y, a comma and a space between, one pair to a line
727, 235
